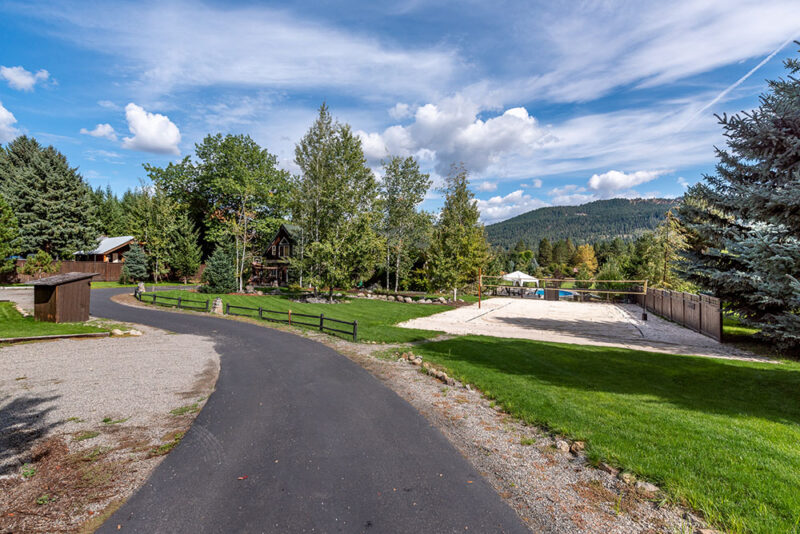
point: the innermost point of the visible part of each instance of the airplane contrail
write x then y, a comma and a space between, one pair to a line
737, 83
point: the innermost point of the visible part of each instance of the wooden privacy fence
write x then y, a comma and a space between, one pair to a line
105, 271
296, 319
700, 313
174, 302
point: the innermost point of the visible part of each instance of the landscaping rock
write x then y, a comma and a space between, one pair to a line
135, 332
249, 288
577, 447
216, 306
361, 295
409, 300
140, 287
627, 478
117, 332
562, 445
646, 488
608, 469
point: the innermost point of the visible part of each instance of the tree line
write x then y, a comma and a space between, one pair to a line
226, 201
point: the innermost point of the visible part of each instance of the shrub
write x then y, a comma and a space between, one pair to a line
40, 263
220, 274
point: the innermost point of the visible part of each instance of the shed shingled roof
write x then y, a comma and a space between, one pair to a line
59, 279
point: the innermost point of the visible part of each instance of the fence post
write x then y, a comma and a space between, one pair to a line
290, 316
321, 320
260, 313
207, 304
179, 302
355, 331
227, 308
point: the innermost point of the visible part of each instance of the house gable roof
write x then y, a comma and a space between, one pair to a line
109, 244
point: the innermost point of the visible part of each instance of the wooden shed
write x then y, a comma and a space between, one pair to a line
63, 298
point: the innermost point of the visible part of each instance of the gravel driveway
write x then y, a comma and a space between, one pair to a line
54, 398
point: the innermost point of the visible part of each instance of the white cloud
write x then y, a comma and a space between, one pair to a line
179, 45
486, 186
613, 181
7, 121
452, 130
536, 183
21, 79
683, 182
401, 111
108, 104
570, 195
499, 208
101, 130
152, 132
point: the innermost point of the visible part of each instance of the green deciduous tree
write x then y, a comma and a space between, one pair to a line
402, 189
220, 273
743, 221
335, 205
152, 219
458, 247
9, 237
50, 200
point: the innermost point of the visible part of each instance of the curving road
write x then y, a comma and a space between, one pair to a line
325, 446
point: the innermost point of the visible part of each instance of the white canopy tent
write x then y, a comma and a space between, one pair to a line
519, 278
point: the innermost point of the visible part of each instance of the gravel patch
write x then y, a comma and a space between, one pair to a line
93, 419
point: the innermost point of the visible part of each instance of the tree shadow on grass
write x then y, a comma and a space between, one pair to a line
22, 423
714, 386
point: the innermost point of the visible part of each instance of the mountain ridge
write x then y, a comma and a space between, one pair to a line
593, 221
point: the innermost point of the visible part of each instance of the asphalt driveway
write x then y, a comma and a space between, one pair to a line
297, 438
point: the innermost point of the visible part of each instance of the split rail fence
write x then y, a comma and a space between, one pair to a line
700, 313
275, 316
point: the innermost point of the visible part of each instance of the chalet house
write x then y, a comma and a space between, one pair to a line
109, 250
273, 268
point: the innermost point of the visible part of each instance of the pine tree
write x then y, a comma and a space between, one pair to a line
109, 216
152, 219
50, 200
458, 248
9, 237
186, 252
135, 266
220, 273
545, 255
39, 264
743, 222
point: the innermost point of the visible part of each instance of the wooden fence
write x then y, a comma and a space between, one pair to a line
277, 316
296, 319
700, 313
105, 271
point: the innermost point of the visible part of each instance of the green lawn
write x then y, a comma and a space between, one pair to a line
13, 324
375, 317
721, 436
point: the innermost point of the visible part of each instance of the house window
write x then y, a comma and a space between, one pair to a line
115, 258
273, 250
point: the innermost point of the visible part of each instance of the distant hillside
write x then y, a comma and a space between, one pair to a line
595, 221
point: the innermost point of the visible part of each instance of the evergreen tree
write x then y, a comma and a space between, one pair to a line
9, 237
459, 246
186, 252
109, 217
744, 221
152, 219
39, 264
135, 266
220, 273
545, 254
50, 200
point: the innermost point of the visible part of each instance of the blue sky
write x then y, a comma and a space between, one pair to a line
546, 104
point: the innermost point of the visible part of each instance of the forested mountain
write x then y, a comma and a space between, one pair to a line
595, 221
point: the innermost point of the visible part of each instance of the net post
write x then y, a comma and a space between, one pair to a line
644, 302
480, 283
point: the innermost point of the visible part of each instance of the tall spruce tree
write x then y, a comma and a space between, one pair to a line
49, 198
743, 221
545, 253
135, 266
186, 252
9, 237
458, 248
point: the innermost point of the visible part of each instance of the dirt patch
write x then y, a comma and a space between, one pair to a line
84, 423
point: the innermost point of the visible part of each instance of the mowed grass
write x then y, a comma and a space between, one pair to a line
13, 324
722, 436
376, 318
105, 285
